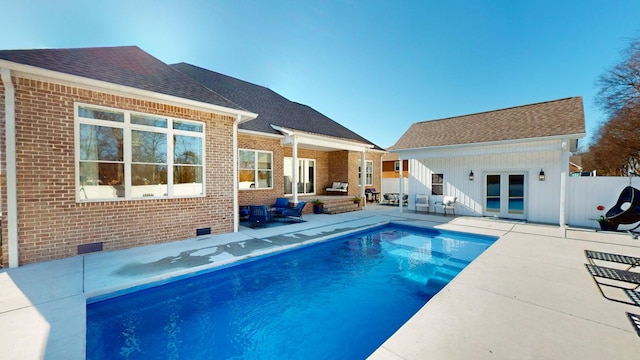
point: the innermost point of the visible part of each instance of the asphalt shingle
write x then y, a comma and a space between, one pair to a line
551, 118
271, 107
124, 65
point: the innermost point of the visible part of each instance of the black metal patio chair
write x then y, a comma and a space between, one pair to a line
631, 261
626, 210
618, 277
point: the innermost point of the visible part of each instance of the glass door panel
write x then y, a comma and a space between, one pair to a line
306, 176
493, 193
516, 194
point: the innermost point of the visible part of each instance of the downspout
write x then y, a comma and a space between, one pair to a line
563, 183
401, 194
234, 146
10, 153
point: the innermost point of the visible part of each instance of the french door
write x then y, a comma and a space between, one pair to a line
505, 195
306, 176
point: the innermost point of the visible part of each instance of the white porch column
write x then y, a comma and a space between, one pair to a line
294, 157
363, 176
563, 183
10, 153
401, 187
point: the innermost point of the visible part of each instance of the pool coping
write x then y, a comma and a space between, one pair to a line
43, 305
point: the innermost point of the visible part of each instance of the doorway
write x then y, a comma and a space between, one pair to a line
505, 195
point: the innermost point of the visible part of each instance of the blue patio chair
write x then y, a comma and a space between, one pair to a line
281, 204
295, 212
259, 215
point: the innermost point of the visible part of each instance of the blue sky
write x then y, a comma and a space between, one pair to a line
373, 66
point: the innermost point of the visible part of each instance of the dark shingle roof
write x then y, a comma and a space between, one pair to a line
271, 107
551, 118
124, 65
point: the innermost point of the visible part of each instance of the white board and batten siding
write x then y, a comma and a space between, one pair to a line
584, 194
542, 198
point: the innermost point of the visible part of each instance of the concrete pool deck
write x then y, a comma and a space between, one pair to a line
529, 296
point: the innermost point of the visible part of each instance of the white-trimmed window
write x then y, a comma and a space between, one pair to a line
437, 184
125, 155
368, 181
396, 165
256, 169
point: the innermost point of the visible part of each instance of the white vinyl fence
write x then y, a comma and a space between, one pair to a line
393, 185
585, 193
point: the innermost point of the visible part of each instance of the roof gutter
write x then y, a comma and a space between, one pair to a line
11, 177
99, 85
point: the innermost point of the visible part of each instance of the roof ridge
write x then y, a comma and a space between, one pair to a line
502, 109
78, 48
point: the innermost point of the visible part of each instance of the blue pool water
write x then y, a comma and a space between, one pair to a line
339, 299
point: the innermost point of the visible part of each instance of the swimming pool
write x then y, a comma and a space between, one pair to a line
339, 299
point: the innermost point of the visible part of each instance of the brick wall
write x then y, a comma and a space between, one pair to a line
51, 224
263, 196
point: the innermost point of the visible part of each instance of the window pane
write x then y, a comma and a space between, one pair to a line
101, 180
264, 160
516, 185
311, 175
247, 179
100, 143
437, 184
149, 147
247, 159
187, 126
142, 174
493, 193
187, 180
99, 114
148, 120
148, 180
493, 185
264, 179
187, 150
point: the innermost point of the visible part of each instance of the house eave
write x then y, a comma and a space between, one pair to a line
36, 73
489, 143
321, 142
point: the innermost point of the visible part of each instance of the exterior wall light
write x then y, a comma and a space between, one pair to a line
471, 177
541, 175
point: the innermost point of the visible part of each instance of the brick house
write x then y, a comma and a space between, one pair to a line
110, 148
292, 133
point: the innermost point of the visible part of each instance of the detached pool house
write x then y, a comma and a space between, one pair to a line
511, 163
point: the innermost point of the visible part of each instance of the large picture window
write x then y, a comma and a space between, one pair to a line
127, 155
368, 180
256, 169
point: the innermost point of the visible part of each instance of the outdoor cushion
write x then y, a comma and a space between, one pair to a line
338, 186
